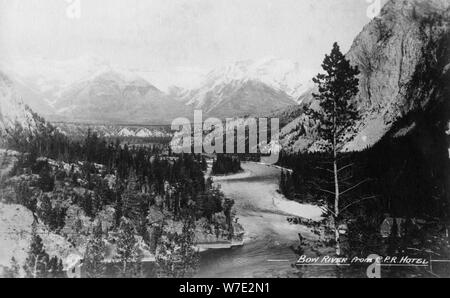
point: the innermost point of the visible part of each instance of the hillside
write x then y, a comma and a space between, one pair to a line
118, 98
404, 59
249, 88
12, 109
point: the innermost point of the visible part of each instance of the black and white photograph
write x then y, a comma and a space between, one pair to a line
206, 140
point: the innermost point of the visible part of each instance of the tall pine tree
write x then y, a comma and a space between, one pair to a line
95, 254
36, 264
337, 115
127, 256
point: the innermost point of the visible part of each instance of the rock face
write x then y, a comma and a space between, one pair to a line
12, 110
404, 59
15, 235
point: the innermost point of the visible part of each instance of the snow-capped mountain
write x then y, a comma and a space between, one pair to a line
250, 88
91, 89
51, 77
32, 97
238, 99
119, 97
12, 109
279, 74
41, 82
142, 133
125, 132
113, 130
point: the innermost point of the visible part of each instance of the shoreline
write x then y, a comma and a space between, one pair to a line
204, 247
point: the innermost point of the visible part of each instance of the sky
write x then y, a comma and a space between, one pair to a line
179, 35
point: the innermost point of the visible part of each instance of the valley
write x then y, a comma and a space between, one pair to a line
91, 181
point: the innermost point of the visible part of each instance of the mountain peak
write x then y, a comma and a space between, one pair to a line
403, 56
280, 74
12, 110
422, 8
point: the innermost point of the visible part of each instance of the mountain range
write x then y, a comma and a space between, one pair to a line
403, 55
249, 88
92, 90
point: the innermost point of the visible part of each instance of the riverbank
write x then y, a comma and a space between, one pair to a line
269, 240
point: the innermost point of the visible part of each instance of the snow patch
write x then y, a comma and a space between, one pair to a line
306, 211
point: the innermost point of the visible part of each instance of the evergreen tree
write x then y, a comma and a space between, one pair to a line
337, 115
210, 203
283, 183
204, 164
36, 264
289, 184
46, 181
226, 164
227, 210
176, 256
131, 199
45, 210
127, 254
189, 256
55, 268
95, 254
25, 196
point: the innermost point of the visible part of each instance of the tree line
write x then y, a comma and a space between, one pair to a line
142, 178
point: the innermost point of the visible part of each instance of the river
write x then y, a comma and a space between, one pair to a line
263, 213
267, 251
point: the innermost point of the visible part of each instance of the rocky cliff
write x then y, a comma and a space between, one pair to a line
404, 59
12, 110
